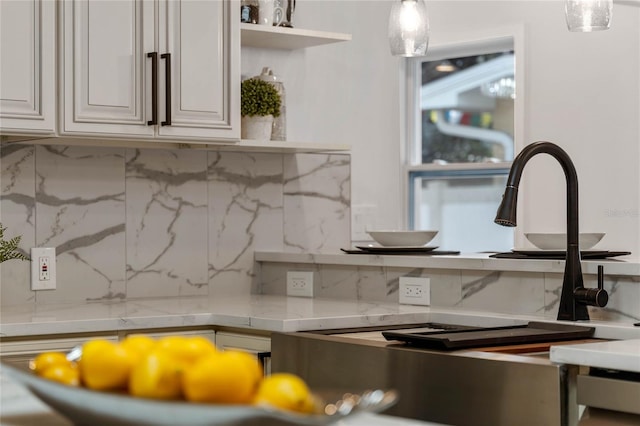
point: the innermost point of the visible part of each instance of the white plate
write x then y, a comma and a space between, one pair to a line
378, 247
537, 250
87, 407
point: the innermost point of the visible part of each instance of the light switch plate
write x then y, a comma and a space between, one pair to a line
415, 291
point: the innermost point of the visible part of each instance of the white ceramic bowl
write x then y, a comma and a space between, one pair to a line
558, 241
403, 238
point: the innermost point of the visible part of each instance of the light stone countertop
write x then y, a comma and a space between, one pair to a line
621, 355
464, 261
254, 312
258, 312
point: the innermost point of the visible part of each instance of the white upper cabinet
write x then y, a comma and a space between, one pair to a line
202, 41
151, 69
103, 82
27, 67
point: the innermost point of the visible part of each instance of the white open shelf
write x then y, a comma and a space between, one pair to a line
280, 146
263, 36
245, 145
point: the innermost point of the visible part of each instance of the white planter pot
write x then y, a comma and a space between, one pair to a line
257, 127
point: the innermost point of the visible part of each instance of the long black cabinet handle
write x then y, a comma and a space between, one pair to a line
154, 88
167, 95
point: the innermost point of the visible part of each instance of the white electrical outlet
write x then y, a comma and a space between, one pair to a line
415, 291
300, 283
43, 268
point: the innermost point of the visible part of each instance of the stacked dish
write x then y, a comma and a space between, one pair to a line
403, 238
558, 241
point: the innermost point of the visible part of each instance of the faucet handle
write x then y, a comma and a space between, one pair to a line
601, 277
593, 296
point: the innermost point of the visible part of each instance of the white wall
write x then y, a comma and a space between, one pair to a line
345, 93
582, 92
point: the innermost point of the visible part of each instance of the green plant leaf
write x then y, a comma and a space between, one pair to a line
259, 97
9, 249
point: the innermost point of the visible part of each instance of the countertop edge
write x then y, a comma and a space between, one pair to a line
623, 355
260, 313
466, 261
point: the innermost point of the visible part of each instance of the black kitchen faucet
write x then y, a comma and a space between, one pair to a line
575, 297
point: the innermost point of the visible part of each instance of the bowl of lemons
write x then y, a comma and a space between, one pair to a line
183, 380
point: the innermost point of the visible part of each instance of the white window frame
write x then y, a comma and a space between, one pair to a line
458, 45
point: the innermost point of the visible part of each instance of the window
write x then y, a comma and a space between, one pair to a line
461, 116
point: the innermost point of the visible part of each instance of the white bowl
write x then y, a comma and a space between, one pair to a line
403, 238
558, 241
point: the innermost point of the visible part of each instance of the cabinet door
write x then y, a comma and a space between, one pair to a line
203, 39
21, 351
259, 346
27, 66
106, 73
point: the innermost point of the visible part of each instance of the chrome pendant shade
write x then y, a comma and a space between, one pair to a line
588, 15
408, 28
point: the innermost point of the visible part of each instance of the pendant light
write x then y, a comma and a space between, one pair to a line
408, 28
588, 15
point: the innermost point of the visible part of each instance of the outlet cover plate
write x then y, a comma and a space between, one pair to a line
300, 283
43, 268
415, 291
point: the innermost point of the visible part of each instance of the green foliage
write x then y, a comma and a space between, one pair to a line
259, 97
8, 249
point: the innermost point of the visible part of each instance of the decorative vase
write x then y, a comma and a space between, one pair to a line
257, 127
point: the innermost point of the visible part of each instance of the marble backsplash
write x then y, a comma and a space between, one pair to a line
132, 223
535, 294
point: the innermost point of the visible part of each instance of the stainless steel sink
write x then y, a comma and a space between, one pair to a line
466, 387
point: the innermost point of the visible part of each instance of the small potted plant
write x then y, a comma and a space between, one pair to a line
260, 103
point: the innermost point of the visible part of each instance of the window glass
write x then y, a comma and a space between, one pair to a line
462, 206
466, 107
462, 145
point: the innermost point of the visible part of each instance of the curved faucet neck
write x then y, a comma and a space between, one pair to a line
571, 176
570, 308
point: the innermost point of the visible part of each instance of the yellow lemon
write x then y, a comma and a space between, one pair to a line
66, 374
221, 377
186, 349
138, 344
157, 375
47, 359
248, 361
286, 391
105, 365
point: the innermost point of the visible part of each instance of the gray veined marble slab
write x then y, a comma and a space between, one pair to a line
317, 200
139, 223
469, 281
166, 223
17, 192
245, 213
84, 218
